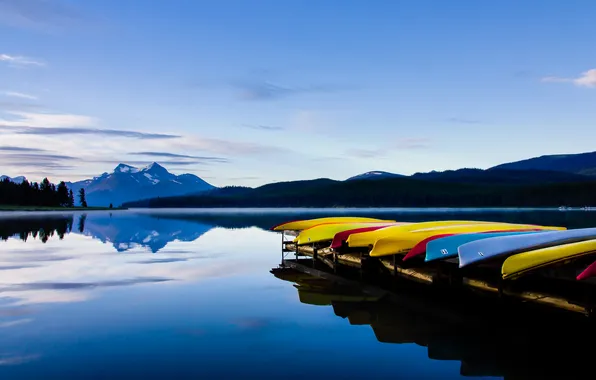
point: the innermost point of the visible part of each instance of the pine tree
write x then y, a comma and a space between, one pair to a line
71, 201
82, 198
46, 192
62, 194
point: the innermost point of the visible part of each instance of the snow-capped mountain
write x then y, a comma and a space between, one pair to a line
18, 179
128, 183
374, 175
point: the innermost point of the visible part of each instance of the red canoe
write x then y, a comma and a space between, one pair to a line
588, 272
340, 237
420, 248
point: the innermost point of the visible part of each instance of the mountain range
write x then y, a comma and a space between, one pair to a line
128, 183
135, 187
571, 180
581, 164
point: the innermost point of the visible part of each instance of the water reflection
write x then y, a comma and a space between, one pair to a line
156, 294
36, 228
488, 342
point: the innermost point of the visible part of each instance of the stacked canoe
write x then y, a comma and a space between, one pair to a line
516, 249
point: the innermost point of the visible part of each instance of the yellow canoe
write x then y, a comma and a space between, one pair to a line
403, 242
324, 232
524, 262
365, 239
299, 225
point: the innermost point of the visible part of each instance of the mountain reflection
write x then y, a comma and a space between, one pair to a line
508, 344
126, 231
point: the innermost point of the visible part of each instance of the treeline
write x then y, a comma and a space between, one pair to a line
390, 192
43, 194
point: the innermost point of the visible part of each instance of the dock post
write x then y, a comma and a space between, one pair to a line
314, 255
334, 261
394, 266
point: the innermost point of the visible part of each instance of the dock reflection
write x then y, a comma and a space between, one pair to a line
502, 343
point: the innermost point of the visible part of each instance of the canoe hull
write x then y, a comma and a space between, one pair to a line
525, 262
299, 225
502, 247
403, 243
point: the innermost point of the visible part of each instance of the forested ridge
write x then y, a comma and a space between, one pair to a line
391, 192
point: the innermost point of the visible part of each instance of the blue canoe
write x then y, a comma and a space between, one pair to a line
503, 246
445, 248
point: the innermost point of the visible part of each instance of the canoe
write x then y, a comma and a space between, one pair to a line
445, 248
299, 225
590, 271
327, 231
485, 250
525, 262
340, 237
404, 242
420, 248
365, 239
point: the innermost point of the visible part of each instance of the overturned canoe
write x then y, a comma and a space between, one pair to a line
403, 243
325, 232
365, 239
299, 225
501, 247
445, 248
341, 237
525, 262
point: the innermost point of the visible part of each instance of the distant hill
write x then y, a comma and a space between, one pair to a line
18, 179
374, 175
479, 190
501, 176
581, 163
128, 183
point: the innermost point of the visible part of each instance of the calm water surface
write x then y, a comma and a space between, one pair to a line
189, 294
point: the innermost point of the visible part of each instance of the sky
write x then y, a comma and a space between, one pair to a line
245, 92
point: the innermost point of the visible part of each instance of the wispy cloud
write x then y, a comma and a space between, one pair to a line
461, 120
266, 90
28, 156
410, 143
20, 149
53, 131
15, 322
586, 79
82, 285
262, 127
18, 60
34, 119
21, 95
37, 13
17, 359
175, 155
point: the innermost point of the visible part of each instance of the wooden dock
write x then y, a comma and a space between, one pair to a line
440, 276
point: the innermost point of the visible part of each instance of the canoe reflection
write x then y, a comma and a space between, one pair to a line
504, 343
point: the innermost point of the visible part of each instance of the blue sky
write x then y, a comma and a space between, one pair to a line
281, 90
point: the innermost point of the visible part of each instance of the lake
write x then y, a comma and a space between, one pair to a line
184, 294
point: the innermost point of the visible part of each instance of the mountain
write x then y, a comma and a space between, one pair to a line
374, 175
581, 163
18, 179
128, 183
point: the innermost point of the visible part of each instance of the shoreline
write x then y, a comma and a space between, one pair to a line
67, 209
